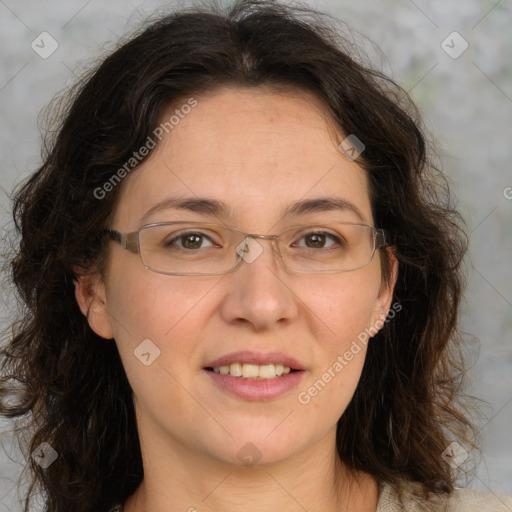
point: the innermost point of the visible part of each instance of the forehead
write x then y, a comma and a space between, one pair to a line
253, 149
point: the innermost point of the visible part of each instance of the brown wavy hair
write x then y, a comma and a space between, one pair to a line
70, 386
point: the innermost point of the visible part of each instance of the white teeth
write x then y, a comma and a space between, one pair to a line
253, 371
235, 369
249, 370
267, 371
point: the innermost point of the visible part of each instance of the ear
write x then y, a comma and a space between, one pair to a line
383, 301
92, 300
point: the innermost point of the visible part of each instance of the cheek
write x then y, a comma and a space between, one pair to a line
146, 303
343, 308
344, 305
166, 310
169, 313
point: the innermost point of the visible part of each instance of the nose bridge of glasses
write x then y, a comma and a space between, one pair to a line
272, 238
246, 251
267, 237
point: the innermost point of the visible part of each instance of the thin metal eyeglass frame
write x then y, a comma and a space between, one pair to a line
130, 242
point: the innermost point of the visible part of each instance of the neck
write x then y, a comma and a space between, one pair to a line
177, 478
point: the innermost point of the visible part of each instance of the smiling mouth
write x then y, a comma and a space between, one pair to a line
249, 371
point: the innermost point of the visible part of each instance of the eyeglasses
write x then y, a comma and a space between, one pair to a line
197, 248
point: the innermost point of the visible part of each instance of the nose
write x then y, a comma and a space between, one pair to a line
259, 293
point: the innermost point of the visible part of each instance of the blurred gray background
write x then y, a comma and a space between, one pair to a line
464, 94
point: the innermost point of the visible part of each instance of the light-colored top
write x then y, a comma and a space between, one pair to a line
407, 497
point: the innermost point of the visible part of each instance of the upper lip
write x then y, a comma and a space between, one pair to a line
258, 358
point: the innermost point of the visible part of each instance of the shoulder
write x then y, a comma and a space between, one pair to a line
408, 497
483, 501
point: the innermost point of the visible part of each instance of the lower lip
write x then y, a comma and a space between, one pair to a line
256, 390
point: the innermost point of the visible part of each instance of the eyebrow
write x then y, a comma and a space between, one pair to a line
213, 207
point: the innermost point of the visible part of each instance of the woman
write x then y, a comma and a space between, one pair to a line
241, 282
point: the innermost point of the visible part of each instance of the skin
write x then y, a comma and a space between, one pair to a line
257, 151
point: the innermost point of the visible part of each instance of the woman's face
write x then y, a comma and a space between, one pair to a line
257, 152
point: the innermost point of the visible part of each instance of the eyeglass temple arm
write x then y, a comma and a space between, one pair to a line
383, 238
128, 241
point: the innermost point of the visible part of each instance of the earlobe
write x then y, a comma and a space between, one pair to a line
91, 299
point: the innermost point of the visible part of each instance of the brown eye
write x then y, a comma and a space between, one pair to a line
188, 240
318, 239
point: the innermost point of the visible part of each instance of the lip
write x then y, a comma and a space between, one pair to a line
256, 390
249, 357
